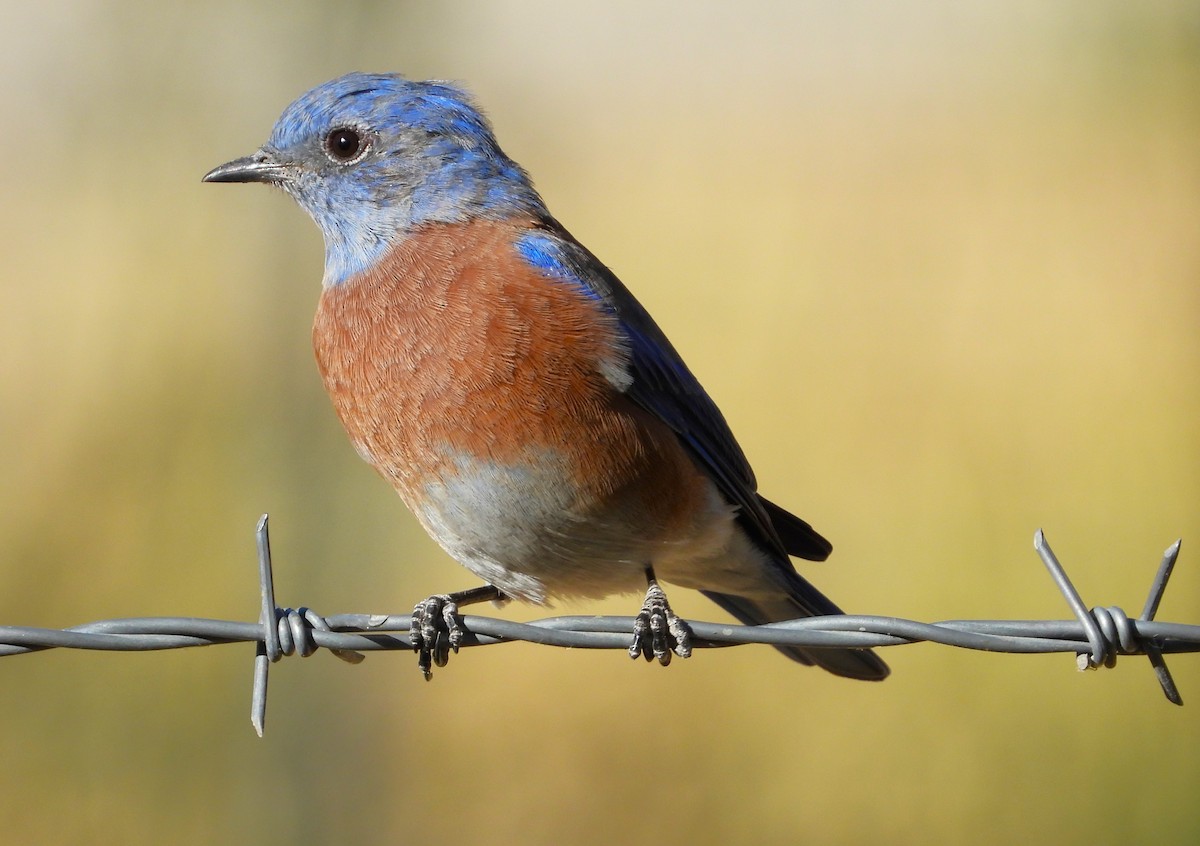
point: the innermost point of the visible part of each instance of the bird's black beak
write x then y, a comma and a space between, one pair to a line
259, 167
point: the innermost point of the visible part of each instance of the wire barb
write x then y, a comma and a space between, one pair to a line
1157, 589
284, 631
1097, 637
1109, 631
267, 651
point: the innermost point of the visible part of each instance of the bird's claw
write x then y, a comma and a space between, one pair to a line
657, 631
435, 632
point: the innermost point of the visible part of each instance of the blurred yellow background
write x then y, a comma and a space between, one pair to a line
937, 262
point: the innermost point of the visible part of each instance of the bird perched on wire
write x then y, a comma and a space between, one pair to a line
524, 405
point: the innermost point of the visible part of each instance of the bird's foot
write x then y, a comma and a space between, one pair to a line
435, 631
657, 631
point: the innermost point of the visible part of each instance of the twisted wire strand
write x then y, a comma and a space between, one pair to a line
1095, 636
303, 631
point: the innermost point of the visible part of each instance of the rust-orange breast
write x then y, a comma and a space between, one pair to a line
455, 353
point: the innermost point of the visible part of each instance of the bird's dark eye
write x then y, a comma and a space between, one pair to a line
344, 144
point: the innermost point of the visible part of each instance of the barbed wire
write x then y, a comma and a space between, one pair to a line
1096, 637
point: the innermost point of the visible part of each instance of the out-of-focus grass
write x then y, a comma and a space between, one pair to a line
937, 264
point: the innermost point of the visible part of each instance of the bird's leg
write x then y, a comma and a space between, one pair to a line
435, 631
657, 632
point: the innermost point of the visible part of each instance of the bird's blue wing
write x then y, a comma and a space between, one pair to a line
663, 385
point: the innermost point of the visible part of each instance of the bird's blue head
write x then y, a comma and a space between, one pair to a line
371, 156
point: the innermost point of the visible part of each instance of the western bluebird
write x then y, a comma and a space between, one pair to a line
524, 405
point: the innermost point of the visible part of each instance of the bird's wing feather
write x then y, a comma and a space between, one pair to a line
663, 385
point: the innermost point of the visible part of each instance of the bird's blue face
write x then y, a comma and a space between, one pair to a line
371, 156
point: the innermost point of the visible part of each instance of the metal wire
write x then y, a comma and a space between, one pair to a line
1096, 637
